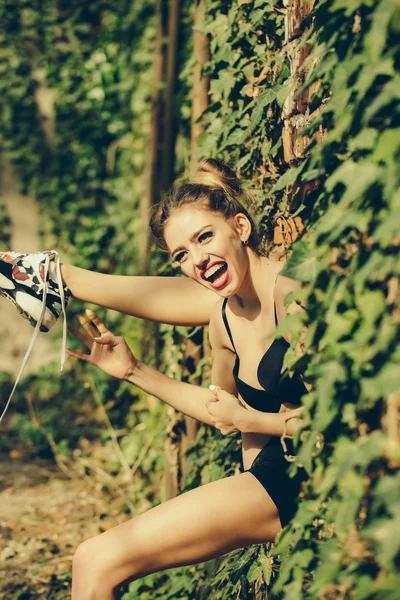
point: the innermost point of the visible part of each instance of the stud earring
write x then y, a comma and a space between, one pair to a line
245, 242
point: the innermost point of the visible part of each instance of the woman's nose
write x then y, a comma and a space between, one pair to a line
200, 257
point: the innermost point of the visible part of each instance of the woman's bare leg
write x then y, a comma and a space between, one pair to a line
194, 527
175, 300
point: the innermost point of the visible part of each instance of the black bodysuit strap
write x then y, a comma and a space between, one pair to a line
228, 329
273, 297
276, 316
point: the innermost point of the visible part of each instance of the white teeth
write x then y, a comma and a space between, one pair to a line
213, 270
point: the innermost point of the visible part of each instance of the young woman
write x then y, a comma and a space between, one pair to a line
208, 230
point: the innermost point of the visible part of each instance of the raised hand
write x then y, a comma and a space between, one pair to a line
108, 352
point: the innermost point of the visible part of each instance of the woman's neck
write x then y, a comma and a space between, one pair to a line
261, 273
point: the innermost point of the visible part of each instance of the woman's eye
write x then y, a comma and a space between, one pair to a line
179, 257
205, 235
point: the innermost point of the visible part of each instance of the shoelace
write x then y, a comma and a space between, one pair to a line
40, 321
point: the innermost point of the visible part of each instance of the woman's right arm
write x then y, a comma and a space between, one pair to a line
173, 300
189, 399
112, 355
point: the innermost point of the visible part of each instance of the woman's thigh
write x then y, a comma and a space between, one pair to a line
194, 527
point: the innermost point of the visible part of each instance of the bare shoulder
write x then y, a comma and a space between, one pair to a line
283, 287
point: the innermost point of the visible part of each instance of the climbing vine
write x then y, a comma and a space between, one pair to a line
303, 103
348, 260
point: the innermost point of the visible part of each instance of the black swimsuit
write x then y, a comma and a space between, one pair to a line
270, 466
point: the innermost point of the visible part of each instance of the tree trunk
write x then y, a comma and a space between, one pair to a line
200, 88
171, 487
201, 85
153, 169
169, 123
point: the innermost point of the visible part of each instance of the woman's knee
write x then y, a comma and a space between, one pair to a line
90, 571
85, 568
83, 556
99, 564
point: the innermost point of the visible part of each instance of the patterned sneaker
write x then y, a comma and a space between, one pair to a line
33, 283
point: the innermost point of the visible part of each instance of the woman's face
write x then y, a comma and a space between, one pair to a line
208, 248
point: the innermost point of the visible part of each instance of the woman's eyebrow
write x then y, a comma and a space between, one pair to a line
191, 239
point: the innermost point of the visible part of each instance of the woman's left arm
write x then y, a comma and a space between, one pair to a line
225, 407
255, 421
275, 424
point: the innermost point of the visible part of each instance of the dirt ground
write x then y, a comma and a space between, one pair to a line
44, 515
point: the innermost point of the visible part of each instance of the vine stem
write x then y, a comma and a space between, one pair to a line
125, 466
91, 464
56, 453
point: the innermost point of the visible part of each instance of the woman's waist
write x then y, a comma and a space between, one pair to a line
270, 448
252, 444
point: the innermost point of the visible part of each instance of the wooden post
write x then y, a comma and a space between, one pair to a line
152, 195
171, 487
201, 85
296, 116
169, 123
200, 89
296, 113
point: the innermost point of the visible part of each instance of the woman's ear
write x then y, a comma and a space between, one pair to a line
242, 226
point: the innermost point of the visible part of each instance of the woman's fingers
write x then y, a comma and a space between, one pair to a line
220, 393
214, 399
79, 335
210, 402
86, 326
97, 321
105, 339
79, 355
214, 389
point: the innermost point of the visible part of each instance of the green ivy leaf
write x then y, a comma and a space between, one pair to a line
330, 564
254, 572
288, 178
302, 265
264, 100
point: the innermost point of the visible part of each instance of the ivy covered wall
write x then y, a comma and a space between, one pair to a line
303, 102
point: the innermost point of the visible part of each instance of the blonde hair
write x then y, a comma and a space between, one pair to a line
213, 184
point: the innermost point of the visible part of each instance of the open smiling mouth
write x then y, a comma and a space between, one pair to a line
217, 275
